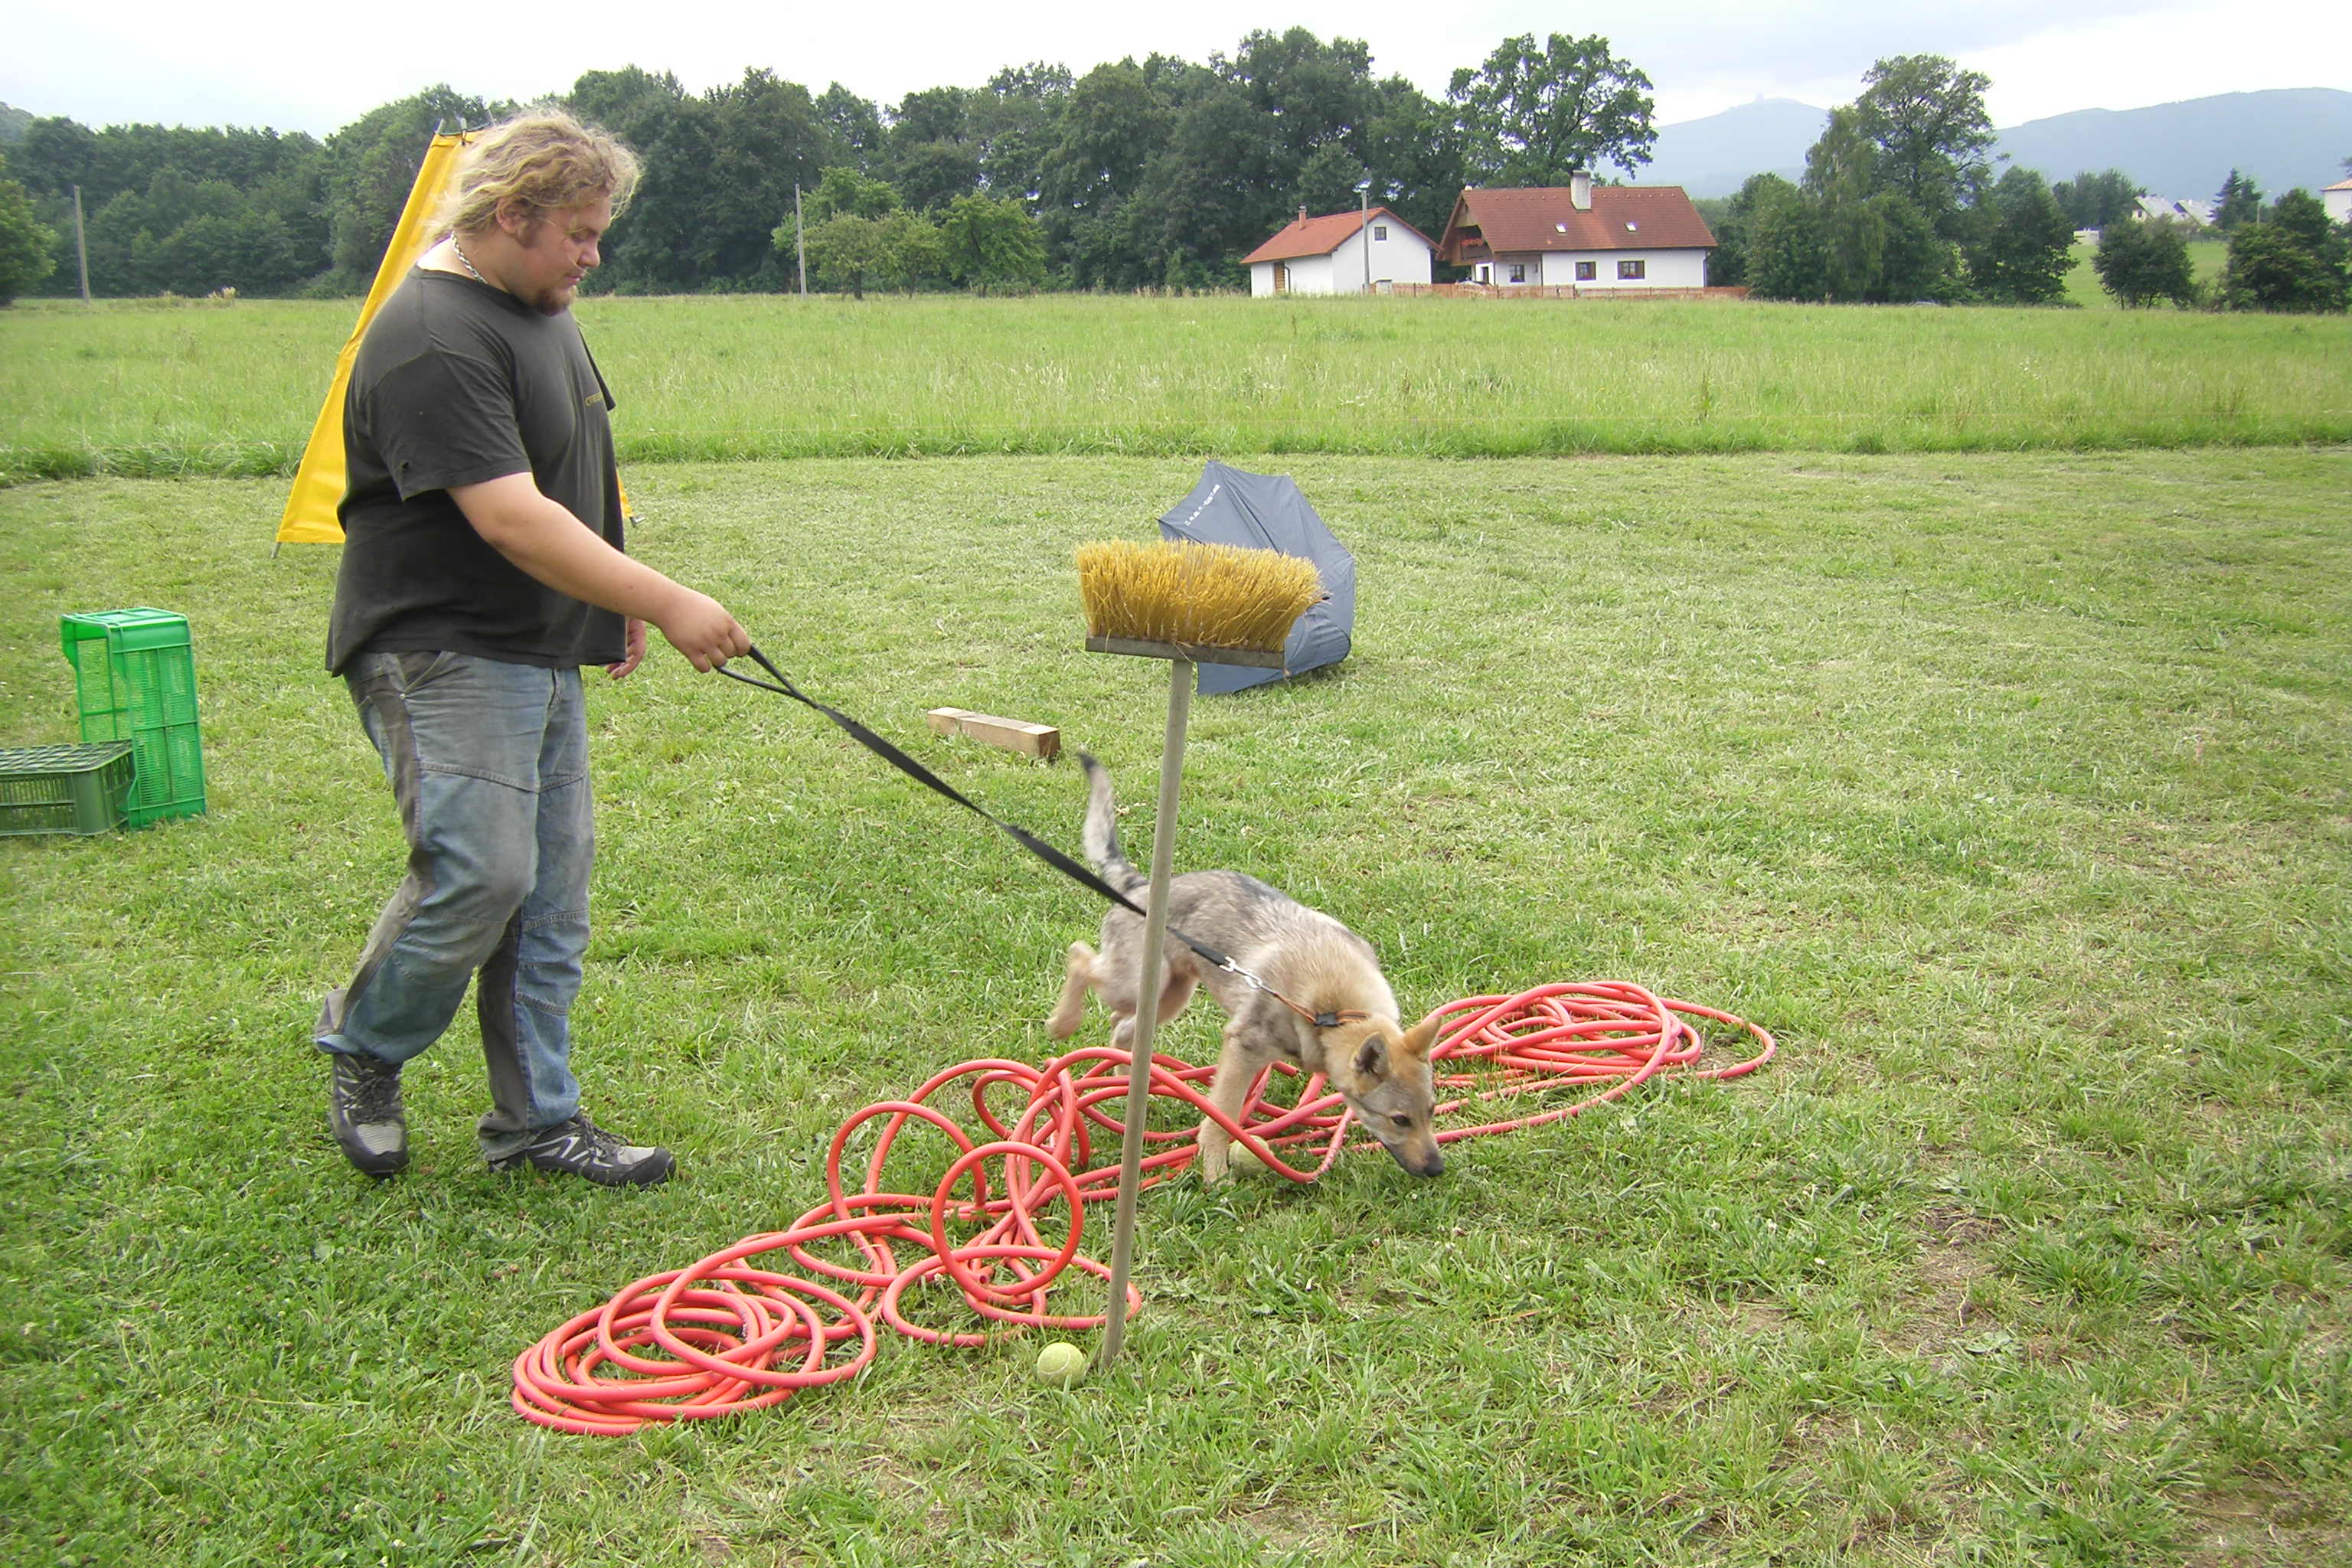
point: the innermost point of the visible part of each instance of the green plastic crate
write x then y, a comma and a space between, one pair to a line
135, 680
64, 789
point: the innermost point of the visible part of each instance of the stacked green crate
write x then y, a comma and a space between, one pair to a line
135, 680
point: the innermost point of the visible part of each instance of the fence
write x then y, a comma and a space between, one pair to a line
1556, 291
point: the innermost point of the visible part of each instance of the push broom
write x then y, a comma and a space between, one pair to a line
1186, 604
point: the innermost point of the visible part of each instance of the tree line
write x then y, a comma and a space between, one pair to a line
1899, 203
1160, 173
1153, 175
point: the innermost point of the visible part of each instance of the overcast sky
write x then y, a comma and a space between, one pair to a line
304, 67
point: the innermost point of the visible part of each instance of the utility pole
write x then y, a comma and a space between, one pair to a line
800, 244
1364, 234
81, 247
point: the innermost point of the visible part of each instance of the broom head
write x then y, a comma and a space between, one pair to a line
1186, 596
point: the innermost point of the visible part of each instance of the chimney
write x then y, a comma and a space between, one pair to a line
1579, 190
1302, 212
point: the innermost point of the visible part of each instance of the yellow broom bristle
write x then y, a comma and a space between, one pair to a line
1195, 595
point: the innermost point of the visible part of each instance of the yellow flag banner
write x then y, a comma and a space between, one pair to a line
309, 515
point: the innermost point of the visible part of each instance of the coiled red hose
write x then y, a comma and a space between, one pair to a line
725, 1334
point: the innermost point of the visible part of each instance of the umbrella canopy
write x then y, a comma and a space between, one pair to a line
1267, 512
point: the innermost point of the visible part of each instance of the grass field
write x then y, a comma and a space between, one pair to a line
2009, 789
159, 390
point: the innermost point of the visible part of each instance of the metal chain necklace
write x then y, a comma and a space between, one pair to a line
471, 271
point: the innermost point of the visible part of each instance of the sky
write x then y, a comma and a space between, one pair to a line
303, 66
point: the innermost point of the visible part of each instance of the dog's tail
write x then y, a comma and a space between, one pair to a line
1099, 837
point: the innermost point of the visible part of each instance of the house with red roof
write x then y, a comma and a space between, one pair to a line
2338, 199
1352, 252
1591, 238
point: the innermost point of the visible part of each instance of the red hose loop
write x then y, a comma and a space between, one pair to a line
726, 1335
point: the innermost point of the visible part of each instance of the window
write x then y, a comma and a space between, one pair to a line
1632, 269
1518, 271
1585, 272
1379, 231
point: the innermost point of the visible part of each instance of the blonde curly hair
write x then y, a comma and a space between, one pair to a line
543, 160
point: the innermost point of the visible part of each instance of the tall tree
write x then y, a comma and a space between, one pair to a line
1733, 221
2292, 258
27, 248
1218, 188
769, 138
1877, 246
1784, 259
1413, 147
843, 250
932, 154
855, 127
2239, 200
2094, 201
1927, 118
2142, 261
1532, 115
1897, 181
1014, 121
1116, 119
1310, 94
370, 165
2025, 249
991, 243
842, 189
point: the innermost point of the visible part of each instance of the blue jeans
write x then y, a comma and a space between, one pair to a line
489, 762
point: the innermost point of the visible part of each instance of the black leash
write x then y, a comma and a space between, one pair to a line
782, 684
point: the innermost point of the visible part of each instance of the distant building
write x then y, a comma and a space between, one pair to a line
1339, 253
1588, 238
2192, 212
2337, 198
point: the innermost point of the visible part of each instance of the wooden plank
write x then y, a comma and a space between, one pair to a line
1012, 734
1254, 658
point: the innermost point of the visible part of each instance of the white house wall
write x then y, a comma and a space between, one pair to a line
1556, 269
1399, 259
1311, 275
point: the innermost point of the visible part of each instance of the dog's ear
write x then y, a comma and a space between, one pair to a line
1372, 1056
1420, 1037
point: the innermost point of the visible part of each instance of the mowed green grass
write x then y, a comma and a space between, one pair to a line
2011, 791
204, 389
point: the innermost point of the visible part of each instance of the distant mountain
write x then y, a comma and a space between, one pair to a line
13, 121
2283, 138
1715, 156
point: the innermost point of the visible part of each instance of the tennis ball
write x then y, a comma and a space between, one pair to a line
1061, 1364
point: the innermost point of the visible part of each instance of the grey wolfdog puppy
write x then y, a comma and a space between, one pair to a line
1379, 1068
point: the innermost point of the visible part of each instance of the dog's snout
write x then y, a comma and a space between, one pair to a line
1420, 1163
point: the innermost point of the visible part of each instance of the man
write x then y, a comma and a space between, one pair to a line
482, 567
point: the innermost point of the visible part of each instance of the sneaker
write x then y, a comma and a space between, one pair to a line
580, 1148
364, 1112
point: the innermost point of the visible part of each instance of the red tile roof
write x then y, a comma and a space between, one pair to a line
1322, 235
1544, 218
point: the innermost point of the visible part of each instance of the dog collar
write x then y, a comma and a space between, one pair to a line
1325, 1020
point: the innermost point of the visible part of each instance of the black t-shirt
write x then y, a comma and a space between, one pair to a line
457, 382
